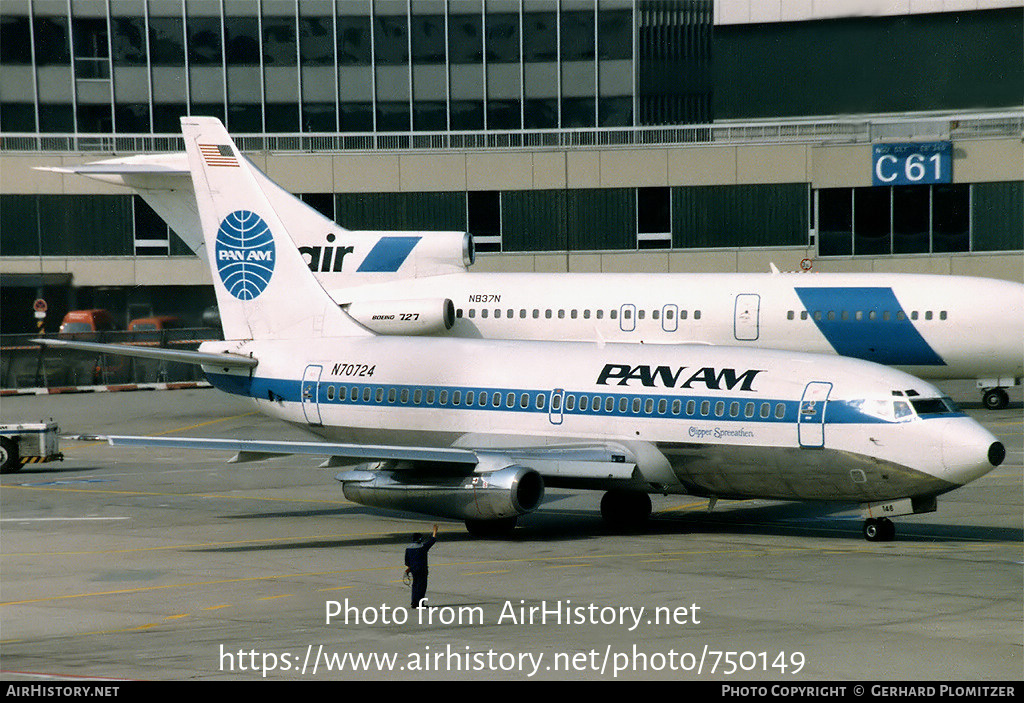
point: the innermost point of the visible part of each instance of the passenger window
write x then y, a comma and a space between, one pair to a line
928, 315
609, 404
696, 314
705, 407
790, 315
470, 397
472, 312
330, 392
536, 313
677, 406
483, 313
417, 396
636, 406
561, 314
379, 395
691, 407
541, 401
547, 314
734, 409
524, 401
623, 405
496, 399
748, 411
766, 410
913, 315
391, 395
719, 408
353, 394
456, 397
662, 406
780, 410
510, 400
556, 403
649, 406
404, 396
584, 403
443, 398
613, 314
430, 397
803, 314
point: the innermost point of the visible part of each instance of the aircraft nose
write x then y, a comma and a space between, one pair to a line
996, 454
969, 451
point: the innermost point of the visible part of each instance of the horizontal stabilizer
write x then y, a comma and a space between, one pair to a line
224, 360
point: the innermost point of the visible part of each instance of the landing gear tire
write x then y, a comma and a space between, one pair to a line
626, 509
9, 459
879, 530
995, 399
492, 528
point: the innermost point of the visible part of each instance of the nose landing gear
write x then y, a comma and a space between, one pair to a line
879, 530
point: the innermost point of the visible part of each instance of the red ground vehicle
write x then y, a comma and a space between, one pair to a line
95, 320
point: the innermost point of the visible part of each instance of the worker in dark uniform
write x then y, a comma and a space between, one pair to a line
416, 565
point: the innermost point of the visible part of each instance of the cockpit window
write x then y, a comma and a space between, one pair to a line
933, 406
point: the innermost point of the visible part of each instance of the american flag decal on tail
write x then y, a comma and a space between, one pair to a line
218, 155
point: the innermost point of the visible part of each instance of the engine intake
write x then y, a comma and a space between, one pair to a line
506, 493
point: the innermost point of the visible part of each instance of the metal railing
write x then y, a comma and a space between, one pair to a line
24, 364
842, 130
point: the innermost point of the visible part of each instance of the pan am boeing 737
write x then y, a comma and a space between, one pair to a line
474, 429
418, 283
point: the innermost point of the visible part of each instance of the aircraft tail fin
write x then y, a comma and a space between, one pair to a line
264, 288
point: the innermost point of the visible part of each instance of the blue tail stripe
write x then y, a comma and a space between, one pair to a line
388, 254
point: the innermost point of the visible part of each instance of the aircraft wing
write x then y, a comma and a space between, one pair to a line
224, 360
592, 461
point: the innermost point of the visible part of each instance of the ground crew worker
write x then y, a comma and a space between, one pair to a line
416, 565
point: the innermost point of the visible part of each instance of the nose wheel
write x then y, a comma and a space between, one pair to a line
879, 530
995, 399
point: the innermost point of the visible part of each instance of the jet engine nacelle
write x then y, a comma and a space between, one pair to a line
405, 317
493, 495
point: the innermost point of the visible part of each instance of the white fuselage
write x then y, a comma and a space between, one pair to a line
729, 422
935, 327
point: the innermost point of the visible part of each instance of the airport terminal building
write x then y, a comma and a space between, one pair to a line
565, 135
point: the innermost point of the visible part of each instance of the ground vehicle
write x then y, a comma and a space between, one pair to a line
156, 324
94, 320
28, 442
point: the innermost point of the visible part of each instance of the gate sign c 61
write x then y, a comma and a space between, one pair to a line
914, 163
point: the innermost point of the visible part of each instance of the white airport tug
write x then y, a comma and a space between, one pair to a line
28, 443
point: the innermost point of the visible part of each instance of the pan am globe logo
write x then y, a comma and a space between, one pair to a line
245, 254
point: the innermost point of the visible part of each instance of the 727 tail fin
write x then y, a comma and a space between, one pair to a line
264, 288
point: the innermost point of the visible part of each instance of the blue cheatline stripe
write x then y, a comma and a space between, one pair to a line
737, 409
388, 254
893, 342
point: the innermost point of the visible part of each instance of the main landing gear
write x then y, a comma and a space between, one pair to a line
879, 529
626, 509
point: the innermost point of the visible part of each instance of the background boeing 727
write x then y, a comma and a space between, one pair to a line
418, 283
474, 429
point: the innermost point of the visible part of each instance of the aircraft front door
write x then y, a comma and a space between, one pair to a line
811, 421
310, 390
